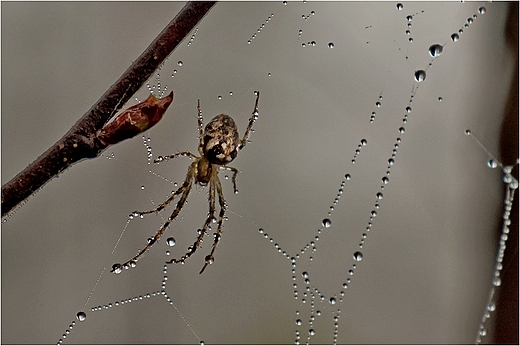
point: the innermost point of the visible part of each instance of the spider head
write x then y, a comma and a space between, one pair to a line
220, 143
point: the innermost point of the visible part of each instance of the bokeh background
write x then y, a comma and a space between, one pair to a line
427, 263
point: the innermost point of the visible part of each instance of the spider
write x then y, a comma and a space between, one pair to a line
218, 145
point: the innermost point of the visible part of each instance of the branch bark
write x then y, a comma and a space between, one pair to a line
79, 142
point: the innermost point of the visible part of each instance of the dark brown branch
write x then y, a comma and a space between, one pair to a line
80, 141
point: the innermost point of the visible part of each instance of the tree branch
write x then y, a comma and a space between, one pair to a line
81, 142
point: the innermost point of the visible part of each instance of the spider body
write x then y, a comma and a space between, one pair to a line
219, 144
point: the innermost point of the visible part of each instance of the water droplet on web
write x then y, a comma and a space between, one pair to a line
179, 62
332, 300
331, 45
491, 307
312, 332
358, 256
482, 10
435, 50
326, 223
497, 282
81, 316
219, 97
385, 180
399, 6
298, 322
492, 164
420, 75
409, 18
455, 37
170, 241
201, 343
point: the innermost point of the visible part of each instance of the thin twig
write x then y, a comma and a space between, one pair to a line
79, 142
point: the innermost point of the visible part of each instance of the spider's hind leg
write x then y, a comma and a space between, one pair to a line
234, 178
252, 120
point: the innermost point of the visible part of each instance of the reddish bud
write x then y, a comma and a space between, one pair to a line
135, 120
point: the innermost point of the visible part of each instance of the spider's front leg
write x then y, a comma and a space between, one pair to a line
218, 234
176, 193
203, 230
184, 190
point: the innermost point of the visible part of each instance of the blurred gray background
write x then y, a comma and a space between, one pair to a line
428, 261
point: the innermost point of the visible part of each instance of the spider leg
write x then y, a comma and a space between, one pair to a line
234, 178
185, 190
201, 232
200, 125
217, 235
176, 193
160, 159
254, 116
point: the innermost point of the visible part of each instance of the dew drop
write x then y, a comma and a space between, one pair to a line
409, 18
332, 300
358, 256
492, 164
179, 62
312, 332
331, 45
439, 98
491, 307
326, 223
497, 282
455, 37
399, 6
420, 75
298, 322
209, 259
468, 132
482, 10
435, 50
170, 241
201, 343
219, 97
117, 268
385, 180
81, 316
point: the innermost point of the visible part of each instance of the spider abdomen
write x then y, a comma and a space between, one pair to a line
220, 145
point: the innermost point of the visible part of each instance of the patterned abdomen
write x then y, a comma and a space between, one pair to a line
220, 140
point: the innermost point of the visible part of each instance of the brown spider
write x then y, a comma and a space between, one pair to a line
218, 145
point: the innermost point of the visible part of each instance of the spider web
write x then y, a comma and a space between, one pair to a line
321, 69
